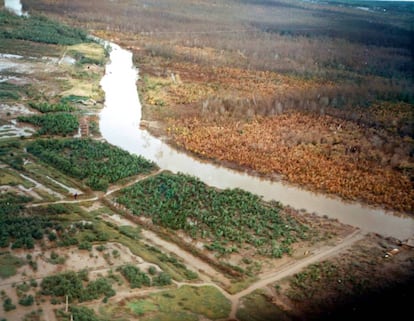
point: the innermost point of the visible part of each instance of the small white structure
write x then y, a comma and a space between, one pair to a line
15, 6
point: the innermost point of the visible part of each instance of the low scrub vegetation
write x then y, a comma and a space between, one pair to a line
185, 303
39, 29
82, 313
9, 91
22, 230
138, 278
76, 286
9, 264
10, 153
45, 107
135, 276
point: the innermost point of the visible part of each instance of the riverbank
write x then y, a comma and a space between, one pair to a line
119, 125
88, 231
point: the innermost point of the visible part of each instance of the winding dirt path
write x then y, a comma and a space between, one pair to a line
265, 279
116, 188
91, 199
283, 271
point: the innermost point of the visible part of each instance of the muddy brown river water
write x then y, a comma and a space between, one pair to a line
119, 125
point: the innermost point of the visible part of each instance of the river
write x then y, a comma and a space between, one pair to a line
119, 125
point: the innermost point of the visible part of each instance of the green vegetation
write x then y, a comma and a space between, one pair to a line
8, 304
171, 264
40, 172
56, 209
52, 211
11, 204
302, 284
172, 260
10, 153
135, 276
56, 258
85, 245
96, 289
187, 303
26, 300
9, 91
334, 276
33, 283
72, 285
35, 315
230, 218
88, 54
51, 220
130, 231
73, 99
8, 95
9, 264
83, 314
205, 300
10, 177
22, 288
256, 307
65, 230
18, 228
162, 279
53, 124
141, 307
167, 263
45, 107
152, 270
39, 29
97, 163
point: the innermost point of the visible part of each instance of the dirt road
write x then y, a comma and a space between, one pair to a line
207, 272
294, 267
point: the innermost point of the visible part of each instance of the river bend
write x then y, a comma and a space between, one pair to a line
119, 125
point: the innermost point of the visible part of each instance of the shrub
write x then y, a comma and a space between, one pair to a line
26, 300
162, 279
85, 245
135, 277
8, 305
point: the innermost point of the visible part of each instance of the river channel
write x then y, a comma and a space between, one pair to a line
119, 125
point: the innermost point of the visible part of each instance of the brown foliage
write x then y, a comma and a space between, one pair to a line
320, 152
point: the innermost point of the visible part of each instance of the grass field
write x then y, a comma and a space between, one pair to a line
9, 264
184, 303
